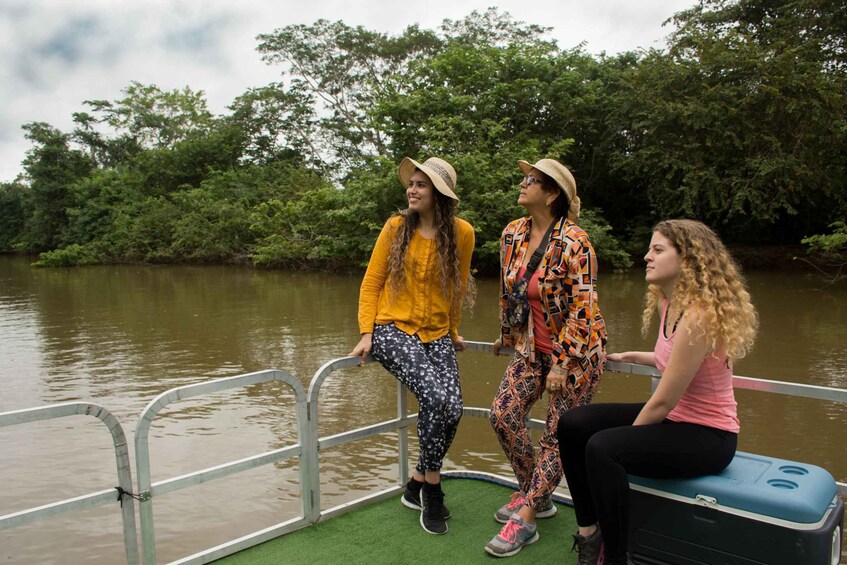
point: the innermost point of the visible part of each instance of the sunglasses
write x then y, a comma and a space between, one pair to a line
530, 180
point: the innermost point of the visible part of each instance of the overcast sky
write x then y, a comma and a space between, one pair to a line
54, 54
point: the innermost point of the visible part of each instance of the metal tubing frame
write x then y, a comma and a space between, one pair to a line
147, 490
400, 424
308, 448
738, 382
403, 420
90, 500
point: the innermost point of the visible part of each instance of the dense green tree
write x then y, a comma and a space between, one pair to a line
96, 202
190, 160
12, 214
496, 93
276, 125
742, 122
315, 224
51, 168
345, 70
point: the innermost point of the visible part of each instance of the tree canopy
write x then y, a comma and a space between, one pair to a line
739, 122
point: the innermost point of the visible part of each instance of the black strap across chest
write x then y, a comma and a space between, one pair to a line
535, 260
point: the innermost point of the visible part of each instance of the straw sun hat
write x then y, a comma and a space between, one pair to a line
562, 176
439, 171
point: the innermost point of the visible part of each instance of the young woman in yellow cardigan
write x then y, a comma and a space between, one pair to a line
409, 311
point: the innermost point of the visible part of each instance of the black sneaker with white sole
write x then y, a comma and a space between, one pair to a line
432, 509
412, 497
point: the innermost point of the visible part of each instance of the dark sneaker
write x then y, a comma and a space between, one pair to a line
412, 497
590, 548
432, 509
512, 538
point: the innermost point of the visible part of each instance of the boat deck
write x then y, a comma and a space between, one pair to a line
388, 532
380, 530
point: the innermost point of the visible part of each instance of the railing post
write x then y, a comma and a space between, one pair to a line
403, 433
142, 476
312, 482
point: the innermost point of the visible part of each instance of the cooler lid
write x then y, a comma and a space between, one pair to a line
796, 492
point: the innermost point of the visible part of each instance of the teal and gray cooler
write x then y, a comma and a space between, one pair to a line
758, 510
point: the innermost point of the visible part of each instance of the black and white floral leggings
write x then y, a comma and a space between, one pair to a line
431, 372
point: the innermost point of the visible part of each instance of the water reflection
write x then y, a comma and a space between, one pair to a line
121, 335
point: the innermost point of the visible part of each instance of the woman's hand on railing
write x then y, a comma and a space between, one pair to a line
459, 344
498, 345
362, 348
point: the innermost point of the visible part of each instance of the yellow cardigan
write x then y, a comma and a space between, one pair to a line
421, 308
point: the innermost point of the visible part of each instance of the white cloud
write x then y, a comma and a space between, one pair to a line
56, 54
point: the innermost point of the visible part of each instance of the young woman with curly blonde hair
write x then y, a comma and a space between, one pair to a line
410, 305
689, 426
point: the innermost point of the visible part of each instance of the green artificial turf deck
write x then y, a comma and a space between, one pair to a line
388, 532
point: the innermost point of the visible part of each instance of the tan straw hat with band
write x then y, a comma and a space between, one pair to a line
440, 172
562, 176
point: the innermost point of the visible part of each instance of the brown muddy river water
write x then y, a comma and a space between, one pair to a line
120, 335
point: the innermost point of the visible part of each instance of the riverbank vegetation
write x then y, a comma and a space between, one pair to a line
740, 122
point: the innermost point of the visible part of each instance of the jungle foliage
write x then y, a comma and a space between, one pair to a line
739, 122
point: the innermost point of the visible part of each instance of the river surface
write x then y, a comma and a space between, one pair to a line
120, 335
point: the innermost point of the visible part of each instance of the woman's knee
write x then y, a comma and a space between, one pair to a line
499, 406
573, 422
606, 446
454, 412
439, 400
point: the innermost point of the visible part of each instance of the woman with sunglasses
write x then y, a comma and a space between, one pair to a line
559, 347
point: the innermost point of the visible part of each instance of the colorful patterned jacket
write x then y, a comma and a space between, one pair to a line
568, 289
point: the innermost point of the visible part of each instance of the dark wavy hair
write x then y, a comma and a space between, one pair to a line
446, 248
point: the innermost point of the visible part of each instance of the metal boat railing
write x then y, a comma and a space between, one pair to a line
308, 448
121, 494
147, 491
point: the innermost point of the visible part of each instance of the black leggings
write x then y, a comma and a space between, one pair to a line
599, 446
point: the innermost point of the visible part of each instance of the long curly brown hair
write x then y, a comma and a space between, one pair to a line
446, 248
710, 280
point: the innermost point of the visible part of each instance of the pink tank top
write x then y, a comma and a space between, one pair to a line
709, 399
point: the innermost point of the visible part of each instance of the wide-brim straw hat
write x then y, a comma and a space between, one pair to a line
562, 177
440, 173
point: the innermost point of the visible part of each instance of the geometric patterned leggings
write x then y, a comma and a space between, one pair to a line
431, 372
523, 383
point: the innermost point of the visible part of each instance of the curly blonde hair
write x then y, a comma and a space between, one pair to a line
446, 248
710, 281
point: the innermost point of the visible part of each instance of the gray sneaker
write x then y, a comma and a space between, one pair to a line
549, 510
512, 538
505, 512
